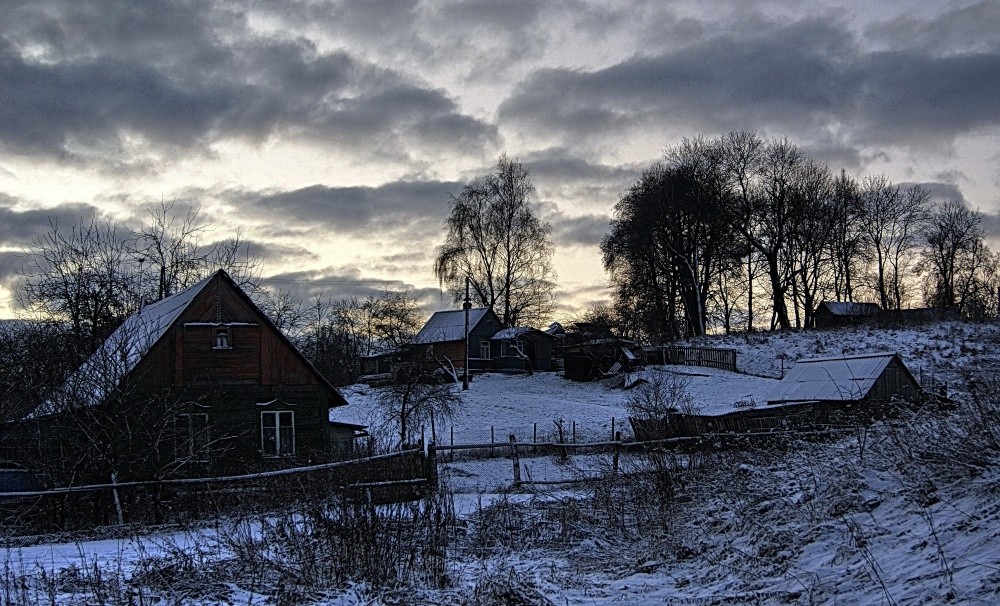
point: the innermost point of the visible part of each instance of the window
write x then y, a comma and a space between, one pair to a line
484, 350
222, 338
277, 433
191, 437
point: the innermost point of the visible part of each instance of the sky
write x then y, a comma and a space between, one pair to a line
332, 133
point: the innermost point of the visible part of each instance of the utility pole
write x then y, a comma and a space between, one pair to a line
466, 305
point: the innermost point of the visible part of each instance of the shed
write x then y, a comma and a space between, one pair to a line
874, 377
832, 314
522, 348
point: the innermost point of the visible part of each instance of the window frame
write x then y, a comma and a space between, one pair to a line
227, 337
484, 348
276, 428
197, 450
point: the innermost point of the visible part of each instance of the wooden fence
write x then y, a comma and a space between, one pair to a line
398, 476
712, 357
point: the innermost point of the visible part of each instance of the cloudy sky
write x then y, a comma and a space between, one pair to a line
332, 132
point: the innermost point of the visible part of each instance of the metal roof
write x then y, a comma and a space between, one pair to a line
848, 308
448, 325
846, 378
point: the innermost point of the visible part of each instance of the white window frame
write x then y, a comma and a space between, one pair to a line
226, 340
196, 450
280, 449
484, 348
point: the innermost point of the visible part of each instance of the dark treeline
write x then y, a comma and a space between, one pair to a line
739, 232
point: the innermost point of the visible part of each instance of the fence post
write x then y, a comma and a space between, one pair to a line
563, 455
515, 460
534, 436
574, 432
452, 453
612, 428
614, 457
492, 440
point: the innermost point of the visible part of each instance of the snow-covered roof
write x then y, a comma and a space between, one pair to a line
555, 328
512, 333
448, 325
121, 352
847, 308
844, 378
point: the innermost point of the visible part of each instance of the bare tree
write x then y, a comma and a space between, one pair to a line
496, 242
955, 250
417, 394
96, 274
893, 222
85, 277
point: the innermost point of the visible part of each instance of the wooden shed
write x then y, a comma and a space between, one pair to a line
833, 314
874, 377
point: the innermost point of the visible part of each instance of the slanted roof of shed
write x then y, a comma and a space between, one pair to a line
848, 308
847, 378
448, 325
514, 332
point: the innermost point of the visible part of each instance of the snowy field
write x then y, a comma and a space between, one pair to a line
518, 404
905, 513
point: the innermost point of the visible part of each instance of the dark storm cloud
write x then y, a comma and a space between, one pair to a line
963, 29
587, 230
560, 164
20, 228
801, 77
77, 83
340, 283
10, 267
401, 204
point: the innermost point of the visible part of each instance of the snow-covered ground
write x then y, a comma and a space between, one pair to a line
898, 514
520, 405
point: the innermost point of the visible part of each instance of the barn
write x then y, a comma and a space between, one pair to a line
199, 383
873, 377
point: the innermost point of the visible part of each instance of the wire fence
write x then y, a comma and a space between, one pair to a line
559, 430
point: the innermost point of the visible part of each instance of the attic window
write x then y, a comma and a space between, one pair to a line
222, 338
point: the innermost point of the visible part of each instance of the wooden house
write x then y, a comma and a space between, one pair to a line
833, 314
443, 336
522, 348
871, 378
199, 383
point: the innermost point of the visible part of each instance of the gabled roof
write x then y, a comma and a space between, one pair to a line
848, 308
124, 349
449, 325
847, 378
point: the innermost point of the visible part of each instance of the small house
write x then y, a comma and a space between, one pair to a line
522, 348
833, 314
875, 377
443, 336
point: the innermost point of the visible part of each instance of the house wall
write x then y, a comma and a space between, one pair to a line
185, 373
